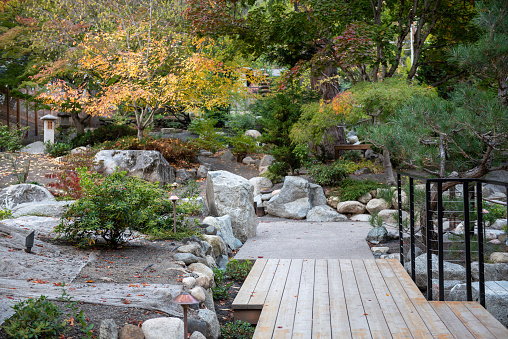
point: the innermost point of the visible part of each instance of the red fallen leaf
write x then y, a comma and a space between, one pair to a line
145, 284
39, 281
89, 281
9, 297
141, 295
84, 276
365, 314
136, 276
71, 321
125, 301
279, 326
57, 284
11, 250
260, 256
129, 295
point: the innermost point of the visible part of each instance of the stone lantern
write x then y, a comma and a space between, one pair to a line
264, 86
49, 127
65, 122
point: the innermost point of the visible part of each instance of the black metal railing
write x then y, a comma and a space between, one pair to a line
465, 193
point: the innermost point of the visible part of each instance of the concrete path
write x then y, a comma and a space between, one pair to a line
308, 240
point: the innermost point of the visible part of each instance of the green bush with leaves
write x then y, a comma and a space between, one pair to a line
5, 214
350, 189
209, 137
11, 138
35, 318
243, 144
241, 122
328, 175
221, 289
102, 134
113, 206
237, 330
238, 270
57, 149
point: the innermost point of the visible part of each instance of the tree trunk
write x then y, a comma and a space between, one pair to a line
79, 122
328, 88
140, 133
387, 168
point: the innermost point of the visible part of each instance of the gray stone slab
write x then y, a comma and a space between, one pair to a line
308, 240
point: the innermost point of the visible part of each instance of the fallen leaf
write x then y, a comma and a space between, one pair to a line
89, 281
125, 301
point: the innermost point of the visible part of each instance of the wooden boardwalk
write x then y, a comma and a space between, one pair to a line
351, 298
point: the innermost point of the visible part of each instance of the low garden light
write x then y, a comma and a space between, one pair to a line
185, 299
174, 198
29, 242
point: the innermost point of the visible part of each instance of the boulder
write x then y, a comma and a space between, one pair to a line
248, 161
147, 165
193, 248
212, 323
252, 133
218, 246
374, 206
187, 258
197, 335
79, 150
448, 285
499, 224
189, 282
377, 235
183, 175
296, 199
350, 207
163, 327
130, 331
498, 271
108, 329
395, 200
370, 154
324, 213
332, 202
260, 184
230, 194
15, 195
202, 172
266, 161
228, 156
54, 209
451, 271
390, 216
499, 257
223, 224
203, 269
199, 293
37, 147
380, 249
364, 199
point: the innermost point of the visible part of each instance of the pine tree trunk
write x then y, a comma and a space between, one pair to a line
387, 168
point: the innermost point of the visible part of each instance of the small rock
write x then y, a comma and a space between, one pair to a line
210, 261
192, 248
203, 281
37, 147
364, 199
212, 323
197, 335
203, 269
362, 171
375, 206
187, 258
198, 293
380, 250
360, 217
333, 202
377, 235
205, 153
228, 156
248, 161
222, 261
495, 241
130, 331
499, 224
108, 329
163, 327
350, 207
189, 282
252, 133
324, 213
499, 257
202, 172
211, 230
266, 161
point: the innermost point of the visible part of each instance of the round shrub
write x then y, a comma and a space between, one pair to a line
237, 330
102, 134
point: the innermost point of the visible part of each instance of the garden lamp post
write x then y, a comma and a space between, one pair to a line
29, 242
174, 198
185, 299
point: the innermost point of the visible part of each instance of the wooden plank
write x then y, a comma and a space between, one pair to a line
474, 325
377, 322
435, 325
412, 291
414, 322
302, 326
268, 317
321, 327
338, 309
249, 315
453, 323
287, 308
242, 298
357, 315
395, 321
259, 294
494, 326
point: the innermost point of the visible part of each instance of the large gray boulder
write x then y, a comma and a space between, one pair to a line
351, 207
54, 209
15, 195
212, 323
296, 198
147, 165
496, 297
325, 213
492, 272
230, 194
37, 147
260, 184
163, 327
375, 206
377, 235
451, 271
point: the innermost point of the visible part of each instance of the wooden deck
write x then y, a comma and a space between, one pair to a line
344, 298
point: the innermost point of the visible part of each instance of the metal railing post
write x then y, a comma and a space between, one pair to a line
467, 240
429, 235
440, 239
412, 226
479, 210
401, 235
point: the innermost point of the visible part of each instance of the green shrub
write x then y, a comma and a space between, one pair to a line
241, 122
57, 149
243, 144
277, 171
220, 291
11, 138
328, 174
113, 206
5, 214
102, 134
238, 270
237, 330
350, 189
209, 138
386, 194
375, 220
35, 318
